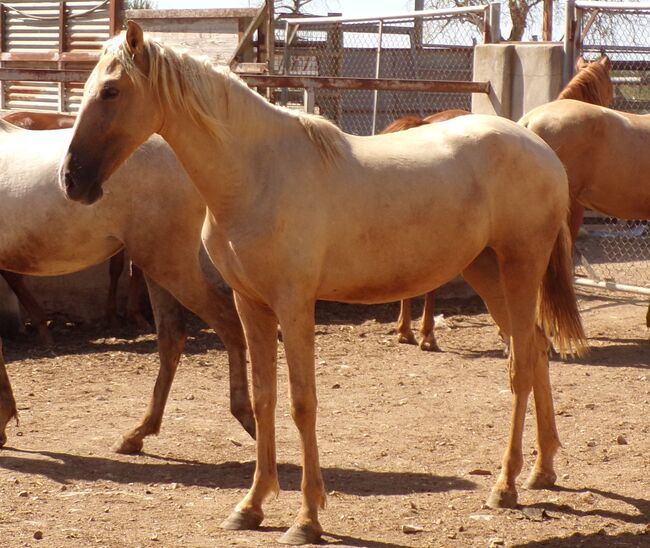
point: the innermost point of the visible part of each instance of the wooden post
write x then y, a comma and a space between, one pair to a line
547, 29
270, 36
115, 17
3, 23
63, 42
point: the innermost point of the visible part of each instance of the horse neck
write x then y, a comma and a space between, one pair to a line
220, 167
590, 87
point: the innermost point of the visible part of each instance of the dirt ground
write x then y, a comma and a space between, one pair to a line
407, 439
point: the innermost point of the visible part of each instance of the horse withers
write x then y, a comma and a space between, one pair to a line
300, 211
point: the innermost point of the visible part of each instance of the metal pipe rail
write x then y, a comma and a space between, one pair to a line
323, 82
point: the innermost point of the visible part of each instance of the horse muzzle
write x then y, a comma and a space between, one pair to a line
77, 185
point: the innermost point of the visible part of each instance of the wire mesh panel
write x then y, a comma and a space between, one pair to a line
614, 249
426, 47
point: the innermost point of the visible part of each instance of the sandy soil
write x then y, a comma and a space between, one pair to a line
407, 438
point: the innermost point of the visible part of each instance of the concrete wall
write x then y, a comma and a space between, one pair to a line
522, 75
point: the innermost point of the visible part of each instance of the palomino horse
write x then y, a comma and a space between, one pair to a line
591, 84
300, 211
51, 120
608, 171
45, 234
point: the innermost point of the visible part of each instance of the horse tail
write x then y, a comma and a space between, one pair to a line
557, 308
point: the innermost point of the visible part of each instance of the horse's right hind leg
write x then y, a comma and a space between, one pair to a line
36, 313
169, 316
509, 301
8, 409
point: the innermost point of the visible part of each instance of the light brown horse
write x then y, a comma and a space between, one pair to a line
300, 211
605, 155
43, 234
50, 120
591, 84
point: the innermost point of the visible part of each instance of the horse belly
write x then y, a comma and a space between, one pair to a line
393, 270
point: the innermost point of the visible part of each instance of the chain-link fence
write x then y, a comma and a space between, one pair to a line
614, 249
432, 45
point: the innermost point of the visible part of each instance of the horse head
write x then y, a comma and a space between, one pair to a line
118, 113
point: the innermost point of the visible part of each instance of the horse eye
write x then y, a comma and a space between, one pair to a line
109, 93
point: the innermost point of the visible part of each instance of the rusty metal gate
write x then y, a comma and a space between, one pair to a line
47, 49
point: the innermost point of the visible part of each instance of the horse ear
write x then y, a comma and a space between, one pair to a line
134, 37
604, 60
581, 63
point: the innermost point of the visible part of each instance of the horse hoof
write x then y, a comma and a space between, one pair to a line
301, 534
128, 446
242, 521
502, 498
407, 339
541, 480
3, 439
248, 423
430, 346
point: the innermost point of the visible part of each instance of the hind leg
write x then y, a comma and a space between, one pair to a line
36, 313
170, 327
8, 409
181, 274
406, 335
427, 328
512, 305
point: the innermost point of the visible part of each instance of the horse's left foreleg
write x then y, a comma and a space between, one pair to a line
8, 408
405, 334
427, 327
115, 269
576, 216
36, 313
170, 326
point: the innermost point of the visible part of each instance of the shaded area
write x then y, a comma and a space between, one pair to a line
64, 468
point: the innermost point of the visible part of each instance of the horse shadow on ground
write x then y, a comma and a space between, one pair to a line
65, 468
600, 538
97, 339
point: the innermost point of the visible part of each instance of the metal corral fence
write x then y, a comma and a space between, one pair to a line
614, 252
425, 46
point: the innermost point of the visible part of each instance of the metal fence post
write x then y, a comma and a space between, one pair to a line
493, 26
569, 41
377, 66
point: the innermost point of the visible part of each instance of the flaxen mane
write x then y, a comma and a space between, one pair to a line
591, 84
188, 83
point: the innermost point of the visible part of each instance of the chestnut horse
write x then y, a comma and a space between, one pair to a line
608, 171
45, 121
591, 84
45, 235
300, 211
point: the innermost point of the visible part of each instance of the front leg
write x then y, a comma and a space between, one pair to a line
297, 323
405, 333
260, 326
8, 409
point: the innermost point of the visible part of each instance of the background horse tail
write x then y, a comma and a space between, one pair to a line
557, 308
